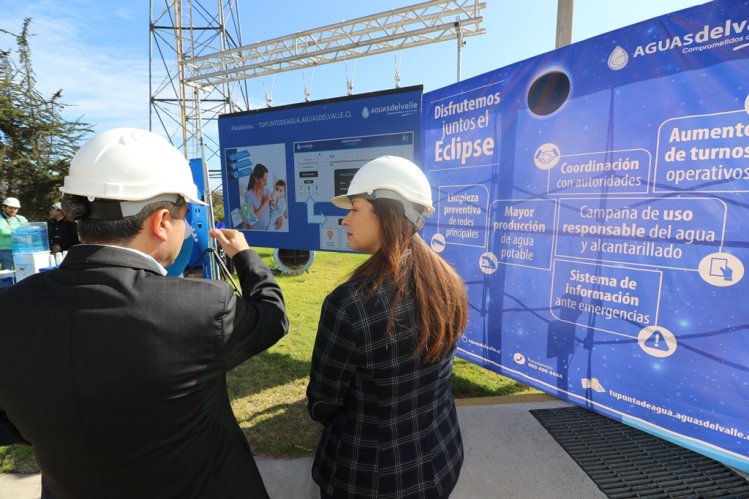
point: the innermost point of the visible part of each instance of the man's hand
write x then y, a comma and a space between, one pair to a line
232, 241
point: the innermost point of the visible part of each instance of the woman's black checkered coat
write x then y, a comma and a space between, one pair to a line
391, 429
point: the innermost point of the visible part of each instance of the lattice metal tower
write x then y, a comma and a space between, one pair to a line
181, 30
199, 68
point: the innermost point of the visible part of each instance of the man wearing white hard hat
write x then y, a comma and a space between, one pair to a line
9, 220
62, 231
118, 380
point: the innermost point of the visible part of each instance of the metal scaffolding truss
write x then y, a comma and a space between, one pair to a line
181, 29
397, 29
199, 68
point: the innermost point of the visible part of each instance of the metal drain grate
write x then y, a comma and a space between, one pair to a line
625, 462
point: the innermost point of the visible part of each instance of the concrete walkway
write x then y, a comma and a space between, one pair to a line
508, 454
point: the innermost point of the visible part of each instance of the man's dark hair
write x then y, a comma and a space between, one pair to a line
122, 230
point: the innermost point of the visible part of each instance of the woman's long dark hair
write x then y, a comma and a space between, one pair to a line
258, 172
405, 260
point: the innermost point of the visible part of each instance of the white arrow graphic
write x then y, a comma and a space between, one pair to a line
311, 217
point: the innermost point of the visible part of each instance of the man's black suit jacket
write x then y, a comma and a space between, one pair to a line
116, 375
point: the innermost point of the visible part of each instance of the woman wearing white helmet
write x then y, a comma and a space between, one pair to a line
381, 366
9, 220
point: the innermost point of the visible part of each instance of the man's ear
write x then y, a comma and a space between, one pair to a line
158, 224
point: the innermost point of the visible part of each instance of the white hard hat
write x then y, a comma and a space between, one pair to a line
57, 206
12, 202
129, 165
392, 177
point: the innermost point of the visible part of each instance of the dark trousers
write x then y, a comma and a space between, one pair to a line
323, 495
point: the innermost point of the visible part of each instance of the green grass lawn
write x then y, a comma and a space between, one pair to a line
268, 391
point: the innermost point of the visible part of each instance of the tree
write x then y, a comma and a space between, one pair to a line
36, 143
217, 200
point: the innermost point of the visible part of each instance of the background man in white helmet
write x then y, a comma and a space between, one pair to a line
61, 230
114, 372
9, 220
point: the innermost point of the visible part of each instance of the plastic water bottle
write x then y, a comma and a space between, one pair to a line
40, 238
21, 239
30, 238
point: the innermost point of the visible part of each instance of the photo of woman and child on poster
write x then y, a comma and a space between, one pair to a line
263, 193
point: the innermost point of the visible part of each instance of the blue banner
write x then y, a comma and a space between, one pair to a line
283, 165
194, 253
594, 200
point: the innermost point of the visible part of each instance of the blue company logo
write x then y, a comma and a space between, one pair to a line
395, 108
710, 36
618, 59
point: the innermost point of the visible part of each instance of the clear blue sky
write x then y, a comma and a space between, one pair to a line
97, 51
